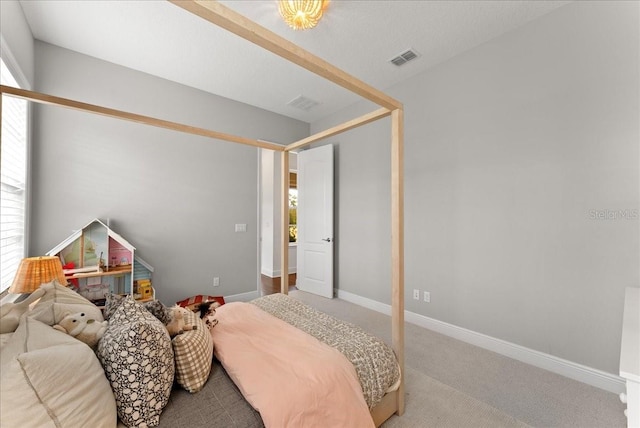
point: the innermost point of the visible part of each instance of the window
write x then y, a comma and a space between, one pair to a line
13, 177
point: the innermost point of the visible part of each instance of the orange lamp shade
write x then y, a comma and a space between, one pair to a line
34, 271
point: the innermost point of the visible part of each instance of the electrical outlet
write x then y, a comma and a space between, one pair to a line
427, 297
216, 281
416, 294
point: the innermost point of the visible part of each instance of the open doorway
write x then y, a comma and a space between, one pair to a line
269, 219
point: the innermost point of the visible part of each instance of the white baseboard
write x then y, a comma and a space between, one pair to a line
242, 297
276, 273
269, 273
594, 377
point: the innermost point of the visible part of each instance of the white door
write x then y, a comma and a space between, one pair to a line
315, 221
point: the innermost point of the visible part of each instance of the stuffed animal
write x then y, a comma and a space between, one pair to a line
10, 313
177, 325
79, 326
171, 318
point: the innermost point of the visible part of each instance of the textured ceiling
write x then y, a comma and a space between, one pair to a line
359, 37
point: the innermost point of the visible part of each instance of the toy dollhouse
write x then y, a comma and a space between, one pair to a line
96, 260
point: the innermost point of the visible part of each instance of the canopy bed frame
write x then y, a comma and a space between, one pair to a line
230, 20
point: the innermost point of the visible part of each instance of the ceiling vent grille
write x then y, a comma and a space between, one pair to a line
404, 57
303, 103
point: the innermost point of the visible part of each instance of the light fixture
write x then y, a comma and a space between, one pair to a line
34, 271
302, 14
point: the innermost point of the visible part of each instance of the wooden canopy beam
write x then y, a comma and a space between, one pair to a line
132, 117
234, 22
354, 123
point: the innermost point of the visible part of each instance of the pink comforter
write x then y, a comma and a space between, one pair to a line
290, 377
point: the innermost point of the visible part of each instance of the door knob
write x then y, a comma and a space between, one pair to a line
327, 239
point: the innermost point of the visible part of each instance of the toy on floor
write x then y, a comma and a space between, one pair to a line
192, 303
82, 328
207, 311
10, 313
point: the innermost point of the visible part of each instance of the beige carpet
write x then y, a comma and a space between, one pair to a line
450, 383
430, 403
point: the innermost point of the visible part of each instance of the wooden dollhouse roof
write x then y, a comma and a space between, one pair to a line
78, 233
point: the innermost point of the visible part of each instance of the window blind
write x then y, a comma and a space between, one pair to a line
13, 173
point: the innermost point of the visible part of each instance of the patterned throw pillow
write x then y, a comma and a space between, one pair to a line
159, 310
112, 302
137, 358
193, 351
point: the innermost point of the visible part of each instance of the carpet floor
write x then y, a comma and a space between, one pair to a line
450, 383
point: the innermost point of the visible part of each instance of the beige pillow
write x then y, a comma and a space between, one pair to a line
193, 351
51, 379
4, 338
59, 301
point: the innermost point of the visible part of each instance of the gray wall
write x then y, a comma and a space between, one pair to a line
514, 150
175, 197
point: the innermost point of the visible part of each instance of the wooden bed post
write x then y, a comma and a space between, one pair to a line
284, 254
397, 245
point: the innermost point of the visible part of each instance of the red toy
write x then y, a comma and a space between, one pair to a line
192, 303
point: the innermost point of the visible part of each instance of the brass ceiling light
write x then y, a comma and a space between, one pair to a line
302, 14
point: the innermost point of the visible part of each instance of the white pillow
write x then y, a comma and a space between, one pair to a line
51, 379
4, 338
58, 301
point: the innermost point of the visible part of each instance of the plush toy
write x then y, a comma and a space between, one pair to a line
171, 318
10, 313
79, 326
177, 325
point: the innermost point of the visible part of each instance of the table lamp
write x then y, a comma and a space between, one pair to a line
34, 271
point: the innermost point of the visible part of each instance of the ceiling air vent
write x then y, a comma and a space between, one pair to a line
404, 57
303, 103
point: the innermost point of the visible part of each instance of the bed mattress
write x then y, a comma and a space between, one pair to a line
291, 378
374, 361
